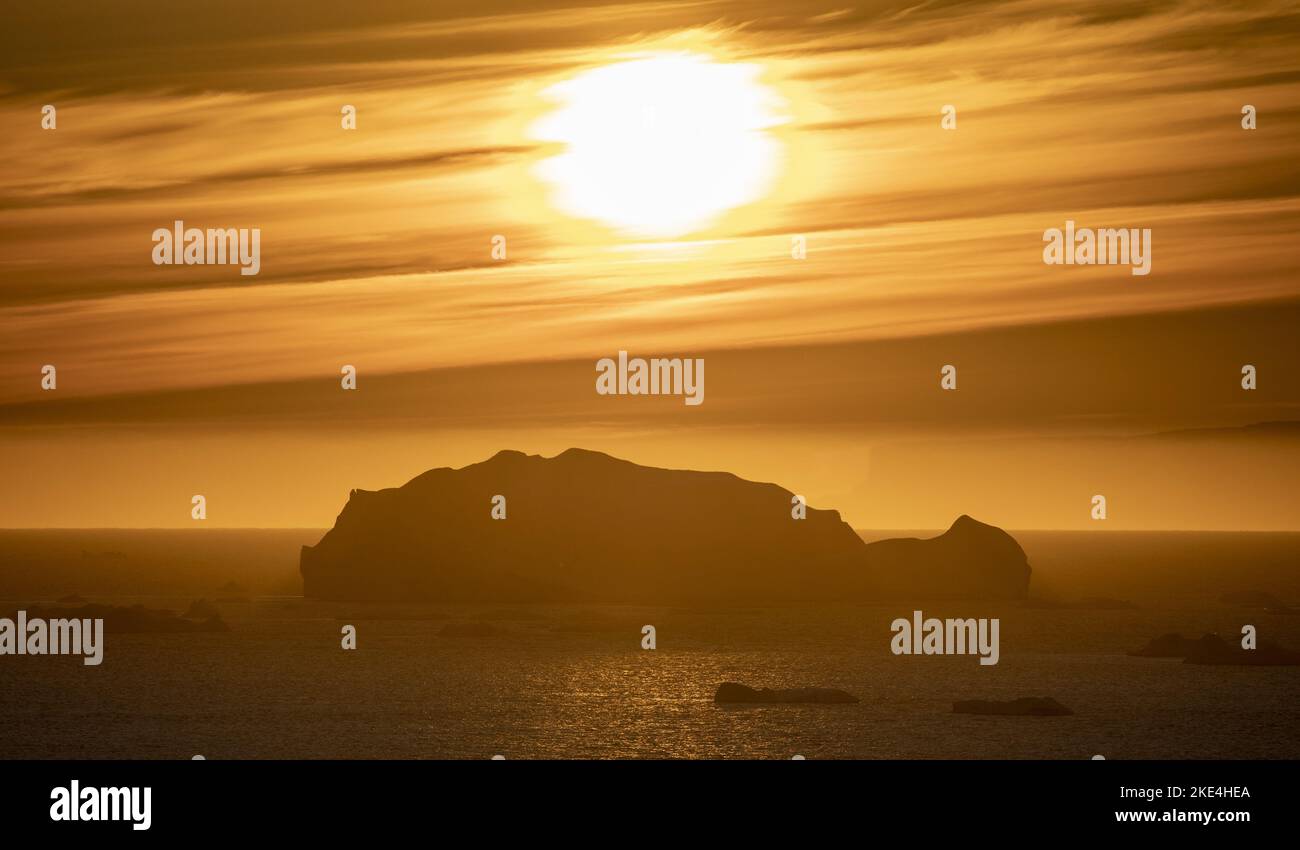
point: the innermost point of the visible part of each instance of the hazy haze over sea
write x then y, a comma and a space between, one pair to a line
572, 681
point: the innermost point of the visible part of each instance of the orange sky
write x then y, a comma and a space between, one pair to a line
376, 252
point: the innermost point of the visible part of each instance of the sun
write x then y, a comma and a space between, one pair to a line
661, 146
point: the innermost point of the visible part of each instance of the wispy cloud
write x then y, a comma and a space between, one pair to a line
376, 241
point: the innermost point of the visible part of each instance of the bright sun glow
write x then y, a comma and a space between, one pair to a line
662, 146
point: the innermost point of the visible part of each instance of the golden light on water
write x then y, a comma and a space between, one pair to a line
661, 146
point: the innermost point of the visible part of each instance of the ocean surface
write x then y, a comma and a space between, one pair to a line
574, 682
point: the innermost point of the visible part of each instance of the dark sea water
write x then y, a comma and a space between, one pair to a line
573, 681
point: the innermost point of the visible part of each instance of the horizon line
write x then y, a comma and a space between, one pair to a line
856, 529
